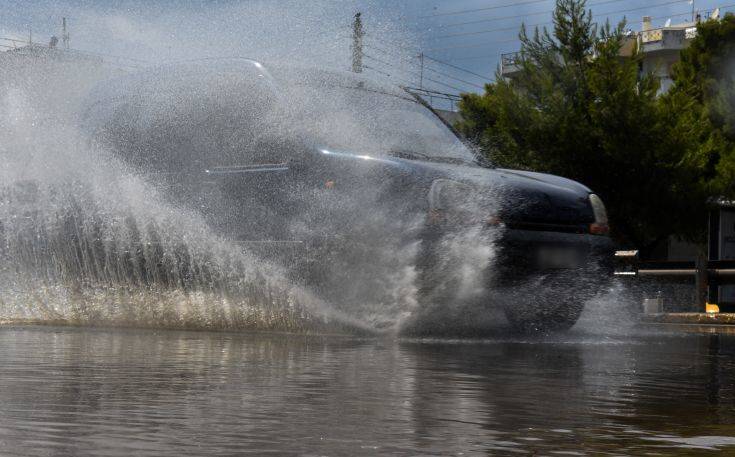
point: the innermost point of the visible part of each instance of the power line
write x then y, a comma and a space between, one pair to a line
488, 8
493, 56
368, 67
504, 29
479, 21
402, 59
606, 15
411, 62
670, 2
433, 93
443, 84
435, 82
479, 45
390, 65
389, 53
377, 71
516, 39
686, 13
456, 67
426, 67
453, 77
413, 74
507, 5
391, 45
379, 60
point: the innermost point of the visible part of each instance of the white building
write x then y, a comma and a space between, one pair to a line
660, 48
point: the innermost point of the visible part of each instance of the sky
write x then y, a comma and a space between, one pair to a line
461, 40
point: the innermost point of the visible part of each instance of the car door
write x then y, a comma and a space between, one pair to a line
251, 196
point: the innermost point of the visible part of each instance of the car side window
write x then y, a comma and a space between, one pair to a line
241, 147
204, 124
248, 131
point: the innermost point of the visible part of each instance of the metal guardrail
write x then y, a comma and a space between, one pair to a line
707, 275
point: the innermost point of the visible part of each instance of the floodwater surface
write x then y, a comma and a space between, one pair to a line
83, 392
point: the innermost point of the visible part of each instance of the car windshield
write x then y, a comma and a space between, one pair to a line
365, 119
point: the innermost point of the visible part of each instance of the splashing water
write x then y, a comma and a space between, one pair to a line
88, 239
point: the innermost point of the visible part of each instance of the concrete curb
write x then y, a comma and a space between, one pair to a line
706, 323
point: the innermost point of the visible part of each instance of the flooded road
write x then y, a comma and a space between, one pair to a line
79, 392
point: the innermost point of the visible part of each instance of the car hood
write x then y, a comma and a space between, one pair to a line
525, 197
553, 180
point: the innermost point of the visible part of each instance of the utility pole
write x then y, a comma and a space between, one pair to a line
64, 34
691, 2
30, 36
421, 78
357, 34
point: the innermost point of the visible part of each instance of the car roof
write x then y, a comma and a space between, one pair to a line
165, 93
165, 77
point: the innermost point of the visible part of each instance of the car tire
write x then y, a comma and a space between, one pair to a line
552, 303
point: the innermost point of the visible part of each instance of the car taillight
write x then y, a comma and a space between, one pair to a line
600, 226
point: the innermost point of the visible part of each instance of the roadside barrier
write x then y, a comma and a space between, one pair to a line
708, 275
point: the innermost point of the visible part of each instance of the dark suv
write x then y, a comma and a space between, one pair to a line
280, 154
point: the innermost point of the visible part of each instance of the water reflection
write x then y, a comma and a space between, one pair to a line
94, 392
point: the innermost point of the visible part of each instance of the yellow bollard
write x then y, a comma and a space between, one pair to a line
711, 308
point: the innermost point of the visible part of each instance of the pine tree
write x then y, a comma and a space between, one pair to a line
577, 108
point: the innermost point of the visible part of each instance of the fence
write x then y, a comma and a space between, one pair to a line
708, 272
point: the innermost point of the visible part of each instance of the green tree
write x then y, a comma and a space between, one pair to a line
577, 109
701, 105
